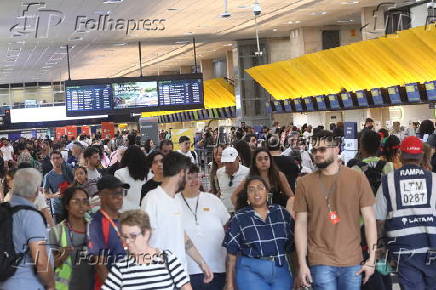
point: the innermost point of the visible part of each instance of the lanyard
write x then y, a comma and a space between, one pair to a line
70, 233
106, 216
190, 209
331, 190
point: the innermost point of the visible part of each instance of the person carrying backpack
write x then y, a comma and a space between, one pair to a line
374, 169
24, 258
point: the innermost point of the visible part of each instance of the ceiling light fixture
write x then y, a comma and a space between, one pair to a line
275, 29
225, 14
188, 33
228, 44
112, 1
120, 44
182, 42
172, 9
345, 21
319, 13
349, 2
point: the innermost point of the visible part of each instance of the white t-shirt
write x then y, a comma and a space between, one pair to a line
165, 215
208, 235
7, 152
133, 197
189, 154
224, 184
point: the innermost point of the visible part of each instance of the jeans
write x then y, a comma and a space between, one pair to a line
218, 282
417, 272
257, 274
335, 278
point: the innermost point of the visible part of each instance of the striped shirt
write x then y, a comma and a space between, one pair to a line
157, 275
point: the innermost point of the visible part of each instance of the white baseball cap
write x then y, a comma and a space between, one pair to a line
229, 155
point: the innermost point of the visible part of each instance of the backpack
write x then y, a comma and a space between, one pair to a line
9, 260
374, 174
194, 154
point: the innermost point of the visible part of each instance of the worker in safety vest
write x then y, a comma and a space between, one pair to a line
406, 205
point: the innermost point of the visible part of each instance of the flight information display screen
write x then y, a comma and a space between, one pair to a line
321, 103
134, 95
377, 97
88, 98
334, 103
131, 95
413, 94
309, 104
361, 99
180, 92
394, 95
346, 100
298, 105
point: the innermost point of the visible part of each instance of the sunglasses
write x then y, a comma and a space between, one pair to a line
321, 150
231, 181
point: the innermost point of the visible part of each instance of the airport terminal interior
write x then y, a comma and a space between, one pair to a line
218, 144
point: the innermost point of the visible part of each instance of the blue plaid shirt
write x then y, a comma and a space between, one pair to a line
250, 236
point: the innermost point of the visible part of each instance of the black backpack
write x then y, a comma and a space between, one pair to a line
374, 174
9, 260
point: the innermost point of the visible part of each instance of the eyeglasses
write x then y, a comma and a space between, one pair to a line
321, 150
253, 189
131, 237
76, 201
231, 181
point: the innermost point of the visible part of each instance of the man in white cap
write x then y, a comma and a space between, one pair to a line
230, 176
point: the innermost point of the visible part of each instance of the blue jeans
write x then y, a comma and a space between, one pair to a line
256, 274
218, 282
417, 272
335, 278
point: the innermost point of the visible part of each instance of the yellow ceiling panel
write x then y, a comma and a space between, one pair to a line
405, 57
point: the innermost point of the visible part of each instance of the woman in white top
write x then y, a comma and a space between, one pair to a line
133, 172
146, 267
204, 216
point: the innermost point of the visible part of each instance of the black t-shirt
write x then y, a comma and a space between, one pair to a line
289, 167
149, 185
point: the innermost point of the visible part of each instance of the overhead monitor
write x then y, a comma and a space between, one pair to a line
287, 105
176, 93
347, 100
431, 90
334, 102
377, 97
394, 95
362, 98
298, 105
132, 95
88, 99
320, 100
413, 94
309, 104
278, 106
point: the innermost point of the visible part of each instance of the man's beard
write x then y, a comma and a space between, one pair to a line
325, 164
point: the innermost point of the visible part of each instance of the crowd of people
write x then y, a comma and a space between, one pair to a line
280, 210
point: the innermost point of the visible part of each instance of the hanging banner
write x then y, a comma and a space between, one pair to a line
86, 130
71, 132
351, 143
107, 130
60, 131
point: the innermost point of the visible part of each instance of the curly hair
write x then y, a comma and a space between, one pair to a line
135, 161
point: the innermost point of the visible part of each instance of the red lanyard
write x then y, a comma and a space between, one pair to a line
106, 216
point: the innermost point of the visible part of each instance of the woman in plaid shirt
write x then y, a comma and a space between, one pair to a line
257, 240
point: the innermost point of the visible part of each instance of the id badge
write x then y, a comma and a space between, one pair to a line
333, 217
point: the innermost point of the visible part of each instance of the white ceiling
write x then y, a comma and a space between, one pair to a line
28, 54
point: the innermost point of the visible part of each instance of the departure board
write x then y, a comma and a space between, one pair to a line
333, 100
135, 94
361, 99
88, 98
321, 103
346, 100
180, 92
